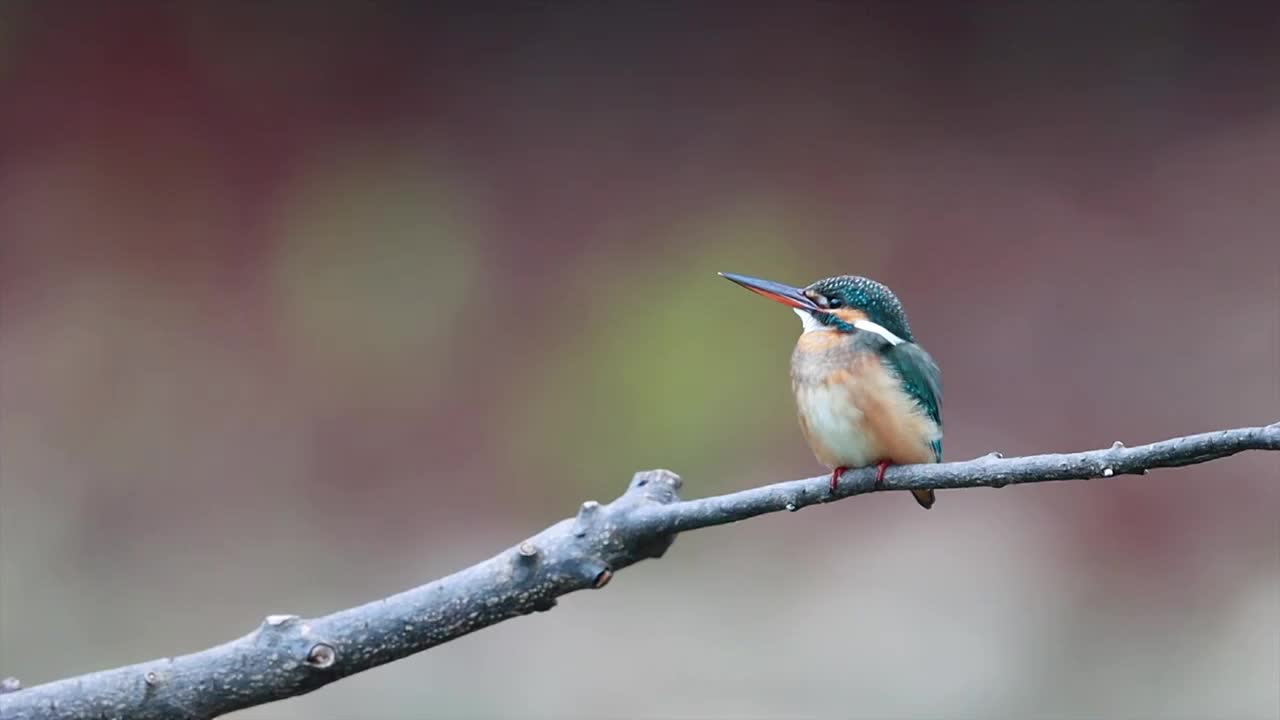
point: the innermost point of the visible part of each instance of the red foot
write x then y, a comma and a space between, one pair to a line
835, 478
880, 468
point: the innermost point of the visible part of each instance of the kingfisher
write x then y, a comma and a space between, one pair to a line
866, 393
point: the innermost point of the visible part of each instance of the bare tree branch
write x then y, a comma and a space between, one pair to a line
287, 656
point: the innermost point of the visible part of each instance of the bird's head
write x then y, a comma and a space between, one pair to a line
845, 303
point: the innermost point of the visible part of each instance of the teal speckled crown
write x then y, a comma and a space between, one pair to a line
859, 293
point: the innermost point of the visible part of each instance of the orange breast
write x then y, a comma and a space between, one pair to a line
852, 409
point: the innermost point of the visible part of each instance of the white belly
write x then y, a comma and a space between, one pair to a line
834, 427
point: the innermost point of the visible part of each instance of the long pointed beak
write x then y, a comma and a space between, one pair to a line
777, 292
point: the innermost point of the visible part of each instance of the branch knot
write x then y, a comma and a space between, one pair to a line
322, 656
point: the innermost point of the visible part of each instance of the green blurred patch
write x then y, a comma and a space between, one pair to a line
675, 367
375, 250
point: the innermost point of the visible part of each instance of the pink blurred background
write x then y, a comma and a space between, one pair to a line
302, 305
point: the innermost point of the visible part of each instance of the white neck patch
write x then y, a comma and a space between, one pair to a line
811, 324
882, 331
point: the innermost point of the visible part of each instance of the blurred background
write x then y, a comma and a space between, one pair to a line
303, 304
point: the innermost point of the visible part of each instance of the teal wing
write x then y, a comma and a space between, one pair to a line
921, 379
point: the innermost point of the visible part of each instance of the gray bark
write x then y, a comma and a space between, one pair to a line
287, 655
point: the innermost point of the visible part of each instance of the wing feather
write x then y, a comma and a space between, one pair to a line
921, 378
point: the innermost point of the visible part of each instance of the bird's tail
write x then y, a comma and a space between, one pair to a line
924, 497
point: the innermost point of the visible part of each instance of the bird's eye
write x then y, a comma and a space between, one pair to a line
833, 303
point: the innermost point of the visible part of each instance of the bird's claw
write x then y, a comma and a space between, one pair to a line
880, 468
835, 478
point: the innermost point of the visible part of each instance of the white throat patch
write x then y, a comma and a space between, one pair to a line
809, 322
